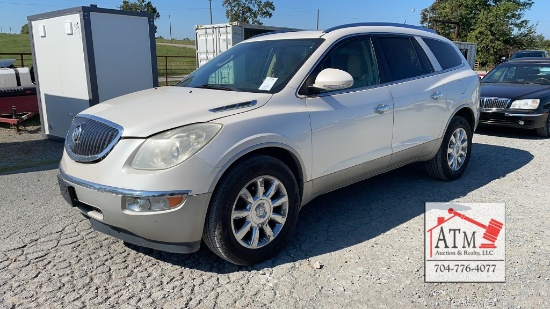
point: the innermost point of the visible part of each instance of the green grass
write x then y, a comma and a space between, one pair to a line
183, 42
176, 66
20, 43
182, 65
15, 43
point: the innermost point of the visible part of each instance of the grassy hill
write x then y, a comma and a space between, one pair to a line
20, 43
15, 43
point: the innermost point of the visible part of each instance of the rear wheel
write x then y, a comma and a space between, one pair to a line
545, 131
454, 153
253, 211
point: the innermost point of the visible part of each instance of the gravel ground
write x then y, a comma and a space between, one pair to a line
361, 246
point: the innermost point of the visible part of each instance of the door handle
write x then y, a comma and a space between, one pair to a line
436, 95
380, 109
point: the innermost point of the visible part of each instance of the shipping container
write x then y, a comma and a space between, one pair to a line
212, 40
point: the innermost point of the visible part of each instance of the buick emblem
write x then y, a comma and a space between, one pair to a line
77, 134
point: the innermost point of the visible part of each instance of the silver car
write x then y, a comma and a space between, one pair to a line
233, 152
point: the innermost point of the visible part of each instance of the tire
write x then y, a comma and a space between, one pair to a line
455, 151
236, 213
545, 131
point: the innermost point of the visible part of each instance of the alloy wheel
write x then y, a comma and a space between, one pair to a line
259, 212
457, 149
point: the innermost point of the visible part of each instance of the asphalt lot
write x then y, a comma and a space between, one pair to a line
361, 246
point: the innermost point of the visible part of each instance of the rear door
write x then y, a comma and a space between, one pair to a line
419, 96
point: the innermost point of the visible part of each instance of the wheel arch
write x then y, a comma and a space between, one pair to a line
466, 113
281, 152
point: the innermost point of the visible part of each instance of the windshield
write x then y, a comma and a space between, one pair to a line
521, 73
262, 66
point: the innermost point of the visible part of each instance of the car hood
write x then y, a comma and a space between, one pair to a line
147, 112
514, 91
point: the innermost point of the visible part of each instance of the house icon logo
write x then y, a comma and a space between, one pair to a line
491, 230
464, 242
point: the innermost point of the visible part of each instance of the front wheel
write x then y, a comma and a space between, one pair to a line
253, 211
454, 153
545, 131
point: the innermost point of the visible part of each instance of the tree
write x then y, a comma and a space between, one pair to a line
248, 11
25, 29
140, 6
497, 26
542, 43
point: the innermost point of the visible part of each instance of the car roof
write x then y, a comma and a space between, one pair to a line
282, 35
343, 30
529, 51
529, 60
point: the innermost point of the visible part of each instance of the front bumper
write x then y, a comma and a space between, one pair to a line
177, 230
525, 120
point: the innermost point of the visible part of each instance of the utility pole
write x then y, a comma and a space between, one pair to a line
170, 20
210, 11
317, 19
451, 22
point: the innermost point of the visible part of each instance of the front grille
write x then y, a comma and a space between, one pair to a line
90, 140
494, 102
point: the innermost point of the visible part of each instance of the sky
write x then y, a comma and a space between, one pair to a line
183, 15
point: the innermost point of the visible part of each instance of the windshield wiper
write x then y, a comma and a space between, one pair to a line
218, 87
526, 83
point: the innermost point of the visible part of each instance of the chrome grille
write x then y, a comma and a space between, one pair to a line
90, 139
494, 102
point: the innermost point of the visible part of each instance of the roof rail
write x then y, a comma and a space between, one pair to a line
378, 24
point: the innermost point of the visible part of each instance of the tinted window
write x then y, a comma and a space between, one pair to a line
424, 61
401, 57
520, 73
356, 57
445, 53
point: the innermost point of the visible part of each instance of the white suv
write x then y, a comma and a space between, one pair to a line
232, 152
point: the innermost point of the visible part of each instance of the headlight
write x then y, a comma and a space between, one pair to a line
172, 147
526, 104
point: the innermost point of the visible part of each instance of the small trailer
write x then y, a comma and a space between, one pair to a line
18, 100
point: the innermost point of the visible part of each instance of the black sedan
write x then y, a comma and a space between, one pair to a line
517, 94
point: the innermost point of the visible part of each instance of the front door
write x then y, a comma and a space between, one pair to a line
351, 129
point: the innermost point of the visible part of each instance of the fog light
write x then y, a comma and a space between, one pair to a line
148, 204
521, 122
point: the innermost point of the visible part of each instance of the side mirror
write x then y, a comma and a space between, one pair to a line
333, 79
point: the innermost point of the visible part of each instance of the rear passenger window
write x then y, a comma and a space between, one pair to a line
445, 54
401, 58
425, 63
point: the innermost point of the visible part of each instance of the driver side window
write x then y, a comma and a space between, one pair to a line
355, 56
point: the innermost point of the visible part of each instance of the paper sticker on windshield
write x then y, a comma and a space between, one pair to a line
268, 83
